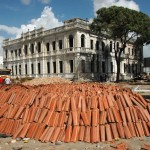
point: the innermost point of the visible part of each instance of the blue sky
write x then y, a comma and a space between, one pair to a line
17, 16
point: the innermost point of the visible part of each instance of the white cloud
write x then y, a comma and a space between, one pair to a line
108, 3
45, 1
9, 30
146, 51
1, 49
26, 2
46, 20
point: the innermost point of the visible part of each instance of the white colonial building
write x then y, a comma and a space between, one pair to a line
70, 51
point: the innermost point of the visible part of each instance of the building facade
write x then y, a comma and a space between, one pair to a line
70, 51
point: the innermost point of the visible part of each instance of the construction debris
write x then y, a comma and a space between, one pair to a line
88, 112
120, 146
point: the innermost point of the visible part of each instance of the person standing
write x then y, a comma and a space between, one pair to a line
7, 81
1, 80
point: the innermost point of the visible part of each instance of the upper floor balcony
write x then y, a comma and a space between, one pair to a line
71, 50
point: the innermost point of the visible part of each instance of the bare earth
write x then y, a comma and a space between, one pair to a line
11, 144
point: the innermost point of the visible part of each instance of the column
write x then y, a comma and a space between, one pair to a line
51, 65
29, 68
43, 48
57, 65
28, 51
65, 41
35, 68
95, 63
77, 65
22, 50
43, 67
22, 68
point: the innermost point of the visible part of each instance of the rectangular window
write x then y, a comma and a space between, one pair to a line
6, 53
32, 48
48, 67
124, 67
54, 45
60, 44
103, 66
129, 70
16, 70
32, 69
91, 44
12, 69
103, 46
111, 65
39, 68
15, 53
47, 47
96, 57
132, 68
54, 67
19, 69
12, 53
83, 66
26, 69
71, 66
136, 68
118, 46
132, 51
61, 66
111, 46
97, 45
19, 52
92, 66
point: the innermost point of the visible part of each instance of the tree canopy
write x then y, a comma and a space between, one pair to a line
124, 25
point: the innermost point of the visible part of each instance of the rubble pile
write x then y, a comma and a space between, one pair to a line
88, 112
46, 80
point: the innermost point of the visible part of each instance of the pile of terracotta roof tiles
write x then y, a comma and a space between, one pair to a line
88, 112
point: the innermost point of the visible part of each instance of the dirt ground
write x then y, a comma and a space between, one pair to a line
132, 144
11, 144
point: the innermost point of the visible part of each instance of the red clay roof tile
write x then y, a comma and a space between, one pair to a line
68, 134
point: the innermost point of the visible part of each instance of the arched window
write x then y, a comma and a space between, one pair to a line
32, 48
82, 40
70, 40
39, 47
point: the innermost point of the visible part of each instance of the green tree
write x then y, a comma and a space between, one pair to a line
124, 25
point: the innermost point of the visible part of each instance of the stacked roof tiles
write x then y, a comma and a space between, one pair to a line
88, 112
